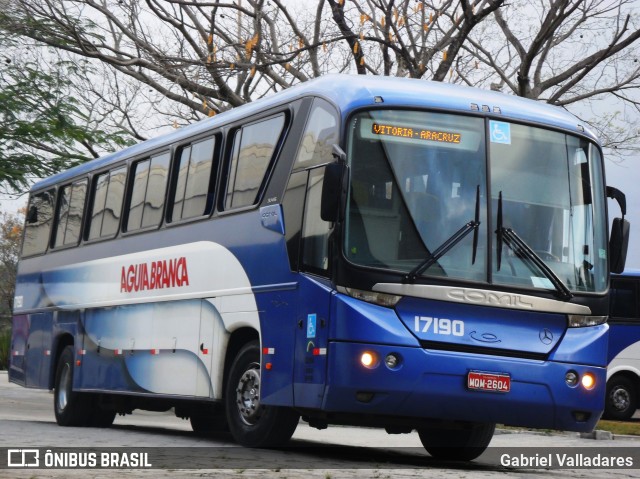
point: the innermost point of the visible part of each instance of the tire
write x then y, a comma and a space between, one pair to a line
207, 424
621, 400
70, 408
463, 442
99, 417
251, 423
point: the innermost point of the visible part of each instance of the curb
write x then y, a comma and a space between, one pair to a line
596, 435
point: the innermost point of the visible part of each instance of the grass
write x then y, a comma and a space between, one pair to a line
626, 428
629, 428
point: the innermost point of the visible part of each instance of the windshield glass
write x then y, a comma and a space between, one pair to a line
419, 179
552, 197
414, 178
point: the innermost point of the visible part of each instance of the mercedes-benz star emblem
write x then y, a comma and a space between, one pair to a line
546, 336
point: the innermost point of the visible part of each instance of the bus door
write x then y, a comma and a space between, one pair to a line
314, 300
38, 350
158, 344
181, 339
310, 368
19, 336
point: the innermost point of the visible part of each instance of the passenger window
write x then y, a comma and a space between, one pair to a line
320, 134
64, 198
253, 149
194, 186
140, 178
108, 192
156, 190
38, 223
148, 192
69, 217
624, 299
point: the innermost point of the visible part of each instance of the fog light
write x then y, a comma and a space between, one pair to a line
364, 396
588, 381
581, 416
392, 361
571, 378
369, 359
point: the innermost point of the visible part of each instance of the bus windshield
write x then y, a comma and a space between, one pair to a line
435, 194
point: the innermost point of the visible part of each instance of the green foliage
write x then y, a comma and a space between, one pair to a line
5, 340
10, 242
45, 122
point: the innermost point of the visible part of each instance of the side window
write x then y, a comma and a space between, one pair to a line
69, 216
108, 192
193, 195
320, 134
293, 208
253, 149
315, 231
38, 223
624, 299
306, 233
140, 174
148, 192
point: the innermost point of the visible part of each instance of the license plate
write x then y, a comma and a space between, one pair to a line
490, 382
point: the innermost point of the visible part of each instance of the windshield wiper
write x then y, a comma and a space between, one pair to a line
450, 243
509, 237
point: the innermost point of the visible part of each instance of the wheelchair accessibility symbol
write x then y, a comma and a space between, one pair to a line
500, 132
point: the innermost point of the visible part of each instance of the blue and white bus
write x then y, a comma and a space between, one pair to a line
623, 373
354, 250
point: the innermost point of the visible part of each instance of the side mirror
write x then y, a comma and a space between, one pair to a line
332, 186
619, 241
620, 197
331, 191
618, 244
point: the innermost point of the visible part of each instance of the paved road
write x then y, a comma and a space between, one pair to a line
26, 420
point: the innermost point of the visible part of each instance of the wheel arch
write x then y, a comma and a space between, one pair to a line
237, 340
59, 343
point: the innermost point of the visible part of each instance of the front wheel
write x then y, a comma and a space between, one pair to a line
253, 424
457, 442
621, 399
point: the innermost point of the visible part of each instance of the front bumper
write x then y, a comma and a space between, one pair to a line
433, 384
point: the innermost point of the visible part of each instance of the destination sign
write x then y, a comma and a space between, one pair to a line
416, 133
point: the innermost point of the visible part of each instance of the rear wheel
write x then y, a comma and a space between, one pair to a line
206, 424
457, 442
99, 417
253, 424
621, 400
71, 408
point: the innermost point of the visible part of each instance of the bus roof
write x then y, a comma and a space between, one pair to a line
350, 92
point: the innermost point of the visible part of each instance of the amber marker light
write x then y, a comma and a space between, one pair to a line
369, 359
588, 381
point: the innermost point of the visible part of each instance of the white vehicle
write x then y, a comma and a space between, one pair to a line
623, 372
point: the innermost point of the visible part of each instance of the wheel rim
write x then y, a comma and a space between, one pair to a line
64, 387
248, 395
620, 399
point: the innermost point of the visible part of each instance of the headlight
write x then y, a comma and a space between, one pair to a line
580, 321
381, 299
